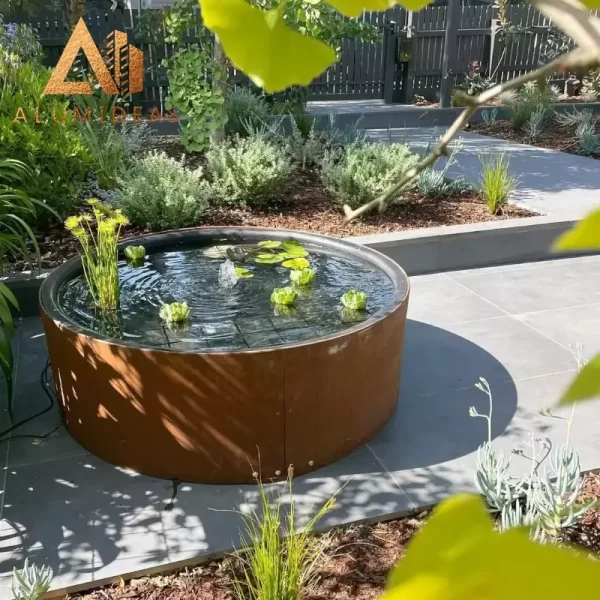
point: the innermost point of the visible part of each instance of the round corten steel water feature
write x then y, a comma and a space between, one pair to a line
215, 417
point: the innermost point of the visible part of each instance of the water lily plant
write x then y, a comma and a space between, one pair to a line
302, 276
175, 313
354, 300
272, 252
285, 296
244, 273
296, 263
98, 236
135, 254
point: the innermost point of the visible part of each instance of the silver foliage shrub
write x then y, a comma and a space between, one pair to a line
574, 117
544, 500
587, 139
490, 117
159, 192
362, 171
304, 151
536, 123
433, 183
245, 171
244, 110
31, 582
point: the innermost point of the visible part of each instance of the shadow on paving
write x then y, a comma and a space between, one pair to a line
88, 519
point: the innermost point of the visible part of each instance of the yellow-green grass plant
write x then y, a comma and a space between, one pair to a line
279, 561
98, 236
497, 182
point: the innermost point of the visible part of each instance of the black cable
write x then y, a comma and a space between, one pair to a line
46, 387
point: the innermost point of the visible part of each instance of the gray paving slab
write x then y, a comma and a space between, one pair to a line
91, 521
550, 182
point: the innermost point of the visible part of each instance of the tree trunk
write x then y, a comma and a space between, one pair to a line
220, 83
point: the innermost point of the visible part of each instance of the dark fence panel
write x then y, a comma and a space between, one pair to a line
410, 61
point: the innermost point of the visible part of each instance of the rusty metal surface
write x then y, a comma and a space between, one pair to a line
207, 417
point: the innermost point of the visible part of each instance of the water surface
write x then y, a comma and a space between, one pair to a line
228, 319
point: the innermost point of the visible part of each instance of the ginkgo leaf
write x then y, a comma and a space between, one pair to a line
584, 236
257, 41
458, 554
353, 8
586, 386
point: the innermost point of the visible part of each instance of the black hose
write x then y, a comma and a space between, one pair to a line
47, 388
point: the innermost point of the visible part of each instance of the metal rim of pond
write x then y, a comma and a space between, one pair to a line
227, 235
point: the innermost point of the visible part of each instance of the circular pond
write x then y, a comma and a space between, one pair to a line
245, 384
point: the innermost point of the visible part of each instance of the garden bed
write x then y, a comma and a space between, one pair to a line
555, 137
303, 204
355, 565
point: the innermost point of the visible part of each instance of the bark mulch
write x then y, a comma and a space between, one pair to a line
304, 204
355, 565
554, 137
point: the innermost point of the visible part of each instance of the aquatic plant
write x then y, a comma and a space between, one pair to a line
244, 273
272, 252
349, 315
98, 236
175, 313
354, 300
296, 263
302, 276
135, 254
279, 310
286, 296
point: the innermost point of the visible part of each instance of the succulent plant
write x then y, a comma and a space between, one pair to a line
354, 300
285, 296
176, 312
31, 582
302, 276
135, 254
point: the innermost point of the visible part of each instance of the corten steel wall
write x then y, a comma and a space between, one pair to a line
208, 417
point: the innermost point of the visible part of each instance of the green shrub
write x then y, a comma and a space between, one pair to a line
158, 192
361, 172
529, 99
55, 152
245, 111
497, 183
245, 171
587, 139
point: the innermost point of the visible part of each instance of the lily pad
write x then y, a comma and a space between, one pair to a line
270, 259
296, 263
244, 273
294, 249
269, 244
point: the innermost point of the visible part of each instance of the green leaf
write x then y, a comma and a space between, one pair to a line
256, 41
269, 244
5, 291
584, 236
296, 263
244, 273
6, 362
270, 259
294, 249
586, 385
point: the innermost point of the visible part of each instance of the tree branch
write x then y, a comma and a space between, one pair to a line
576, 58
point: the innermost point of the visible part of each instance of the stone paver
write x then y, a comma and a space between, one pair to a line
550, 182
512, 325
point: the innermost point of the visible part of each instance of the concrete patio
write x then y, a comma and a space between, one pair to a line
513, 325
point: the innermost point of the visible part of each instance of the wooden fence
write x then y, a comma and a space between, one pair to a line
407, 62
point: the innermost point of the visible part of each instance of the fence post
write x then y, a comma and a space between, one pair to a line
389, 64
453, 14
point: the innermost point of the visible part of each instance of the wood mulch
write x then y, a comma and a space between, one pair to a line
554, 137
355, 565
304, 204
